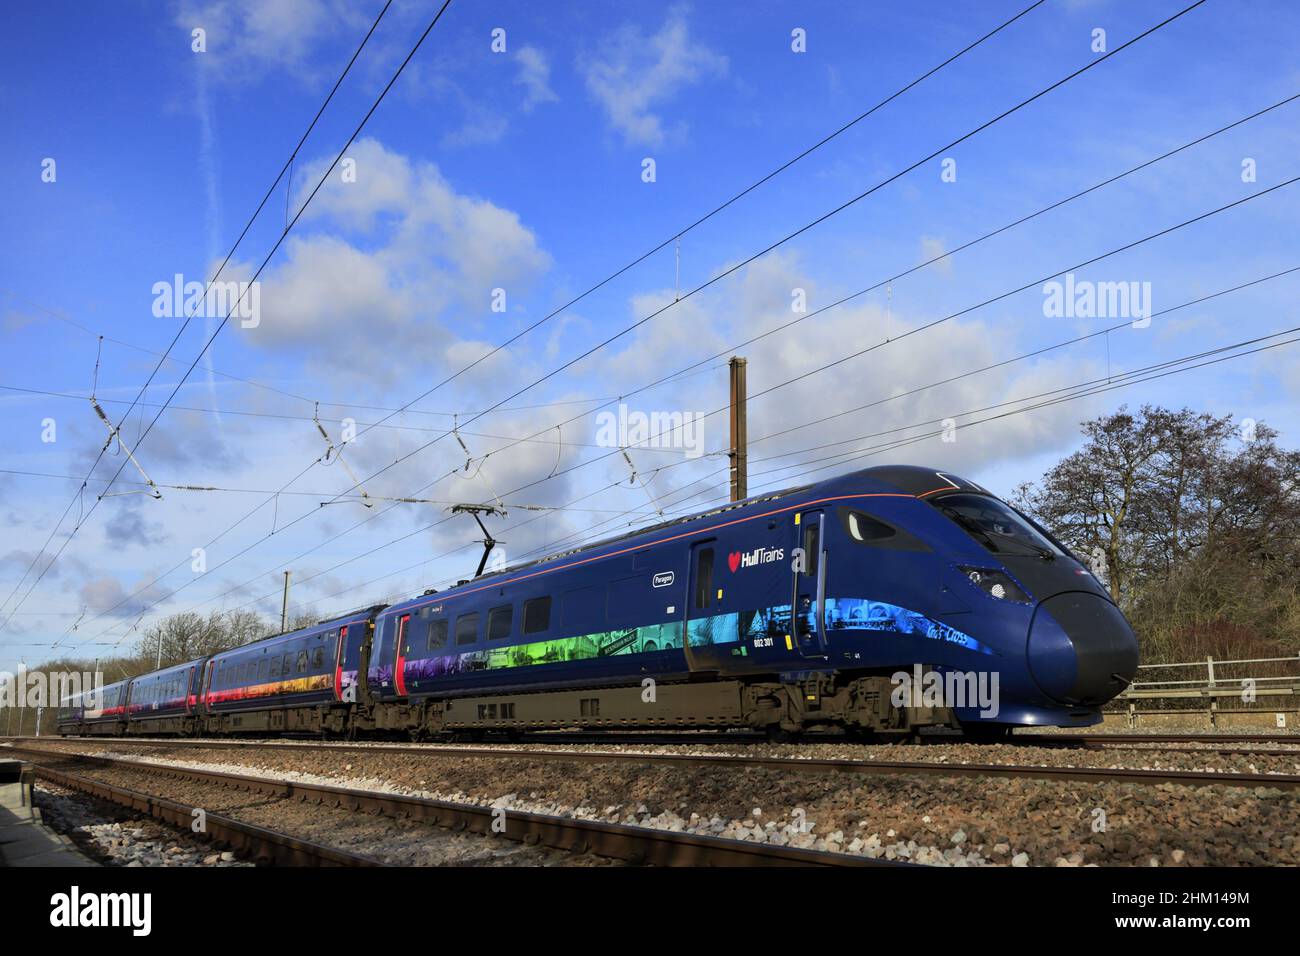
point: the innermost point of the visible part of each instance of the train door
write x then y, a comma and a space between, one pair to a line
381, 655
339, 652
206, 687
704, 620
401, 649
810, 585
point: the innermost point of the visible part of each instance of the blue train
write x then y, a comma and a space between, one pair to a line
881, 602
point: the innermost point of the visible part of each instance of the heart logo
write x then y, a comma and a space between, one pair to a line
733, 560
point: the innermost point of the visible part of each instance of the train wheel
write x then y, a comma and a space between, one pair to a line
779, 735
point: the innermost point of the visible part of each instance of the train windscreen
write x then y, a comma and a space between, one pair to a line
996, 525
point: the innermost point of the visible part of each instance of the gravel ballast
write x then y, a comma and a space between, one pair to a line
926, 819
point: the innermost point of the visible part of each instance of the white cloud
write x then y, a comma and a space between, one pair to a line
425, 258
481, 125
128, 525
247, 37
758, 299
634, 74
535, 77
931, 248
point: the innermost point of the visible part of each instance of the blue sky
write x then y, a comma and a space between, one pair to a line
522, 171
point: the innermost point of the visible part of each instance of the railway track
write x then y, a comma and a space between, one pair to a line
1127, 739
1261, 744
257, 843
734, 738
1195, 778
637, 845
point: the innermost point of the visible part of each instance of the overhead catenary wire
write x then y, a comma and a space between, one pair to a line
971, 46
715, 211
272, 499
297, 215
1159, 370
676, 236
1127, 246
1095, 62
965, 311
176, 338
1051, 397
217, 274
896, 338
979, 239
280, 416
62, 317
732, 269
429, 527
1103, 386
1041, 93
509, 505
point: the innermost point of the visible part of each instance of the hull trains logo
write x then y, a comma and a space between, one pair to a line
748, 559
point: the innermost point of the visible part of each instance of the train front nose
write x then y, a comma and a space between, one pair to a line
1081, 648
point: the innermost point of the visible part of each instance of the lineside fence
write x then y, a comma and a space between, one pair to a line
1261, 692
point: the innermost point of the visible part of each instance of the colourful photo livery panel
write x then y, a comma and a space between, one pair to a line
734, 629
584, 647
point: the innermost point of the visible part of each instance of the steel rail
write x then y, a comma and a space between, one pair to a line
1195, 778
714, 738
1225, 744
1119, 740
257, 842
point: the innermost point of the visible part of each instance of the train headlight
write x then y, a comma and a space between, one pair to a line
996, 584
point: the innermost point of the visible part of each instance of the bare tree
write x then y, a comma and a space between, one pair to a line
1200, 526
189, 636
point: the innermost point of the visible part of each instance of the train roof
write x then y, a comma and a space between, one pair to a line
169, 668
913, 480
325, 622
909, 479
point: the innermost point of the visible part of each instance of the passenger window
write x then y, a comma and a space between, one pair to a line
704, 578
467, 628
275, 666
286, 665
302, 662
318, 657
499, 621
438, 634
537, 615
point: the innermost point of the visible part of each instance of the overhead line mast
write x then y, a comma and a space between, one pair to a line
739, 453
